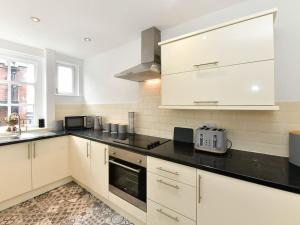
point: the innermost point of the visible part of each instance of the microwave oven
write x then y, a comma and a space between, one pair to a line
78, 122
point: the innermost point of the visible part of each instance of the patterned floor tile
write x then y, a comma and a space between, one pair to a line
66, 205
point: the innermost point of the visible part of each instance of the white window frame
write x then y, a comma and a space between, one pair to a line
14, 58
75, 69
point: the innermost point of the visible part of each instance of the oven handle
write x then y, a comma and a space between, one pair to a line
124, 166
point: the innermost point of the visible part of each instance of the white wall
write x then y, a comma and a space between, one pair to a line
100, 85
103, 88
51, 58
46, 81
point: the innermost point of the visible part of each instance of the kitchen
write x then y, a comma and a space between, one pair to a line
155, 120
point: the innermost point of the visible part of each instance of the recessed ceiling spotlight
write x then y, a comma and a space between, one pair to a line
87, 39
35, 19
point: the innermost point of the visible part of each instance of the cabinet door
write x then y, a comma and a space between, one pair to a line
50, 161
229, 201
80, 159
99, 168
246, 84
243, 42
15, 170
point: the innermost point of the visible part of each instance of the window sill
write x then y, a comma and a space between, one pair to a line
67, 95
4, 132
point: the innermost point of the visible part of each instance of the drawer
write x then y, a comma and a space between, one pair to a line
157, 214
244, 42
172, 171
174, 195
254, 83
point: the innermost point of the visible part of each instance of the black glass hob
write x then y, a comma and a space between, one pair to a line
140, 141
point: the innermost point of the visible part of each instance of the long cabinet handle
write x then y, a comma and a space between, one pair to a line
29, 153
199, 188
34, 150
87, 149
168, 215
167, 171
105, 155
208, 102
170, 185
206, 64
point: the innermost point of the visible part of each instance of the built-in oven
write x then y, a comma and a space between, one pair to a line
127, 176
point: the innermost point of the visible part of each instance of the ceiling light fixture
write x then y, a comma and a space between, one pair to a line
87, 39
35, 19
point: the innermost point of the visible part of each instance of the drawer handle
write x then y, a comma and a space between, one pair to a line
205, 64
167, 215
170, 185
167, 171
207, 102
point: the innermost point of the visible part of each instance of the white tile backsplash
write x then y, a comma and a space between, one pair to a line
258, 131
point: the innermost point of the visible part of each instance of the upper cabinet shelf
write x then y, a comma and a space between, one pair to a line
224, 67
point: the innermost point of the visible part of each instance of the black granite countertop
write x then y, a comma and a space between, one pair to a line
272, 171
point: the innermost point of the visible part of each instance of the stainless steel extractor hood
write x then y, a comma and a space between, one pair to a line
150, 58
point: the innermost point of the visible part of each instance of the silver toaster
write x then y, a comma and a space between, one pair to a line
211, 140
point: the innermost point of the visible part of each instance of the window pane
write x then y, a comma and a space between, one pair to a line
26, 112
22, 94
3, 69
65, 80
3, 93
3, 115
23, 72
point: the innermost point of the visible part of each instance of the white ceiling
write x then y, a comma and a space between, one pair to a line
110, 23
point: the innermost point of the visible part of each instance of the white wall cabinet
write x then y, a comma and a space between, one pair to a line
228, 201
89, 163
230, 65
242, 42
15, 170
246, 84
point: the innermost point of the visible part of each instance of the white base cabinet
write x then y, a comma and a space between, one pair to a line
80, 160
50, 161
227, 201
89, 163
99, 168
171, 193
28, 166
15, 170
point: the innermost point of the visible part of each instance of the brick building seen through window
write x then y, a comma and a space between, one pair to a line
16, 90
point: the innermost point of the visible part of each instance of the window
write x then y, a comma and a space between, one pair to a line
66, 80
17, 90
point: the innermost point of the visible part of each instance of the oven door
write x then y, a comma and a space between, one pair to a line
128, 181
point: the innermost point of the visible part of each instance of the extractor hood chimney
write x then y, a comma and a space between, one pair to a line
150, 58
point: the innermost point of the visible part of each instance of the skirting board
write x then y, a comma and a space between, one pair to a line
115, 206
24, 197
